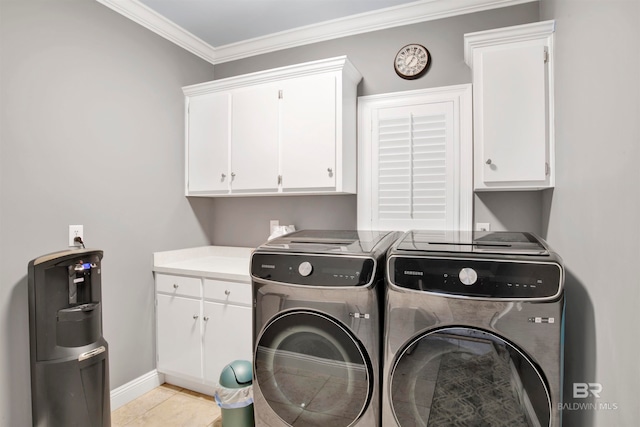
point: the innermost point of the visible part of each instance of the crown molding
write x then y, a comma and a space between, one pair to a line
151, 20
339, 64
410, 13
498, 36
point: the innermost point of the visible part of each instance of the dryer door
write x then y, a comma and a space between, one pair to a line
465, 376
312, 370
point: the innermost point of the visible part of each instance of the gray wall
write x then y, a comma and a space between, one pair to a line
91, 133
372, 54
595, 207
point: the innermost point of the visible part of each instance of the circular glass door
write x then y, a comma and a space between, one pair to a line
312, 370
467, 377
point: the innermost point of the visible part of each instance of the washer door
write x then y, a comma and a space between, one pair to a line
312, 370
462, 377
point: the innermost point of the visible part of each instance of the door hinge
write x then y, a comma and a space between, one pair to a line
279, 179
547, 169
280, 96
546, 55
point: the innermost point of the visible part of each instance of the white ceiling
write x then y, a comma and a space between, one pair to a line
226, 30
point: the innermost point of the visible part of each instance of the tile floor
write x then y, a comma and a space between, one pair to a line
168, 406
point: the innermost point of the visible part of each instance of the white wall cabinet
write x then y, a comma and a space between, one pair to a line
513, 106
202, 325
291, 130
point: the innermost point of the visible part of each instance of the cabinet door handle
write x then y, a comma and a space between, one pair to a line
175, 286
224, 175
233, 175
227, 292
195, 316
205, 318
488, 161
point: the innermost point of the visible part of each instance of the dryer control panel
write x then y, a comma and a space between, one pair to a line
475, 278
313, 270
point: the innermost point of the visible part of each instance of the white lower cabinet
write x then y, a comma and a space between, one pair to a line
179, 336
226, 337
202, 325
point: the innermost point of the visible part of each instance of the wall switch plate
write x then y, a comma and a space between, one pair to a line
75, 231
483, 226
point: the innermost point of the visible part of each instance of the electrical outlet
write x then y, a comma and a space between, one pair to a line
483, 226
75, 231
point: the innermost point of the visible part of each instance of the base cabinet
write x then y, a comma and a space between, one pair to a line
179, 336
202, 325
226, 337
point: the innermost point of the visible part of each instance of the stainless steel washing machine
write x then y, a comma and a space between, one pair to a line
473, 331
317, 328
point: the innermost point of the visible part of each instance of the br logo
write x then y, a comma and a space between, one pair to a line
583, 390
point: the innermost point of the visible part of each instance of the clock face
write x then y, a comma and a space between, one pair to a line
412, 61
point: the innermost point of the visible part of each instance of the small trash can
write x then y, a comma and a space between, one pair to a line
234, 394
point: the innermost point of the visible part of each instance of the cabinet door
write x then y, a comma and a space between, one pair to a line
254, 142
227, 337
308, 138
511, 118
179, 337
208, 136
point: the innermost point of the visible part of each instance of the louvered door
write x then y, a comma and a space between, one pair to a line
416, 162
415, 171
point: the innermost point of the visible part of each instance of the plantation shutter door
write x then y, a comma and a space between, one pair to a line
412, 150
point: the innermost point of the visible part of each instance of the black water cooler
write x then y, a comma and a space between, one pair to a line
69, 356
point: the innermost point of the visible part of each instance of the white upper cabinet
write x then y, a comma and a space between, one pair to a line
513, 106
290, 130
208, 131
309, 145
254, 143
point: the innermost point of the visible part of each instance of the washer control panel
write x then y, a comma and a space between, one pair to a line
315, 270
499, 279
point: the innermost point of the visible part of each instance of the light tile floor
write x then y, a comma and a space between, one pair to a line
168, 406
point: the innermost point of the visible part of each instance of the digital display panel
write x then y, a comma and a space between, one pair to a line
332, 271
484, 278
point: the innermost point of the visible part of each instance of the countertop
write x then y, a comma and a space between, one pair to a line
215, 262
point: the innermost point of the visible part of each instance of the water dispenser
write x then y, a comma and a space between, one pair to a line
69, 355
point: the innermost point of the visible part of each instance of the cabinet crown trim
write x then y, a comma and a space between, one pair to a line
336, 64
498, 36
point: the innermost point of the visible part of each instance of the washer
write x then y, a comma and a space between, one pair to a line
473, 331
317, 328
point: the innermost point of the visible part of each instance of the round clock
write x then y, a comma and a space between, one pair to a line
412, 61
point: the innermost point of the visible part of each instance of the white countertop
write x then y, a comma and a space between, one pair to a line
216, 262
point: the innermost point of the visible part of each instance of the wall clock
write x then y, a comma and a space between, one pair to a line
412, 61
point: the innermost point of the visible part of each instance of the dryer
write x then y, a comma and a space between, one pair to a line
317, 328
473, 331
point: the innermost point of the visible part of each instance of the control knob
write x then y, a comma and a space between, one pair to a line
305, 268
468, 276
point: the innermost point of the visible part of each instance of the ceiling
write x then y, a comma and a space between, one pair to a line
222, 22
225, 30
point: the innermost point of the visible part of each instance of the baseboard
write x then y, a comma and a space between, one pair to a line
136, 388
189, 385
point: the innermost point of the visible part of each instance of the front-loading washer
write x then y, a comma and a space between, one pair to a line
473, 331
317, 328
